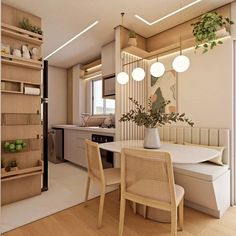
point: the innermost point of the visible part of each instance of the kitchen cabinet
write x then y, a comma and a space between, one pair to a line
74, 146
108, 70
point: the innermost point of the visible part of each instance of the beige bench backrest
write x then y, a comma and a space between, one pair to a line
202, 136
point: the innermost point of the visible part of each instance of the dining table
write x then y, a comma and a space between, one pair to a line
180, 154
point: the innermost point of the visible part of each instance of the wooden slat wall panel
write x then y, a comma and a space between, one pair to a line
213, 137
173, 132
196, 135
180, 135
188, 135
204, 136
136, 90
224, 140
166, 133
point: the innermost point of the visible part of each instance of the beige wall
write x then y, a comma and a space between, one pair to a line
57, 96
204, 91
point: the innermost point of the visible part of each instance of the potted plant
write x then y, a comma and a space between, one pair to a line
151, 119
25, 24
132, 39
13, 165
208, 28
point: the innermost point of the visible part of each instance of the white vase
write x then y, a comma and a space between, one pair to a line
152, 138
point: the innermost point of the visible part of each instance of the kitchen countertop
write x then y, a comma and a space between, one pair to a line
90, 129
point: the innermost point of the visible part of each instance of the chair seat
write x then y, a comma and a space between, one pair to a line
112, 176
205, 171
156, 190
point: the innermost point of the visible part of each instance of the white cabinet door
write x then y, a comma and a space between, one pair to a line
74, 145
108, 59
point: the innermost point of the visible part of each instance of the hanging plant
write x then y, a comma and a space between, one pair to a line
205, 30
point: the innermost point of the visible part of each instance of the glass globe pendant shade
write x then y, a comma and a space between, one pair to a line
157, 69
138, 74
181, 63
122, 78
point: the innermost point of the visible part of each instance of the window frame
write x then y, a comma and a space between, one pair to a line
104, 100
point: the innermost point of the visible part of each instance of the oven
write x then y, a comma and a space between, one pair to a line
107, 156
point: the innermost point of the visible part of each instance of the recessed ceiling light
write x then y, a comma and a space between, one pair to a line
69, 41
171, 14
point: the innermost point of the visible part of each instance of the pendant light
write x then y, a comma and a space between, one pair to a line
138, 74
181, 63
157, 69
122, 77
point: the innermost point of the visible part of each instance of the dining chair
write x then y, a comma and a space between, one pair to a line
147, 178
104, 177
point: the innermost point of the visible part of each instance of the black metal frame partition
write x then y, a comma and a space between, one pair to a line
45, 125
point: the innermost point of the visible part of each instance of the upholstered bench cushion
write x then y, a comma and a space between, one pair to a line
205, 171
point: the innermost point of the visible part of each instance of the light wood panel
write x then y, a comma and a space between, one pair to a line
172, 36
81, 220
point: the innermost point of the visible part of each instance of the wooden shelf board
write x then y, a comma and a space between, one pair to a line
22, 37
21, 176
19, 81
11, 91
19, 30
21, 59
20, 172
16, 63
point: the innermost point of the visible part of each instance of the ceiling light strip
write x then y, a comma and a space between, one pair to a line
171, 14
69, 41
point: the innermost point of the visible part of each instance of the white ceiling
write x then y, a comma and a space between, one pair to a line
63, 19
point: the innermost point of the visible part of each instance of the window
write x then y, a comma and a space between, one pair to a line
101, 106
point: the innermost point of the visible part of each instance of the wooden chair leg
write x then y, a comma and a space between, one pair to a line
87, 190
119, 192
173, 222
134, 208
101, 206
181, 214
122, 216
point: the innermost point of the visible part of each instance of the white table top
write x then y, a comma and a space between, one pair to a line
179, 153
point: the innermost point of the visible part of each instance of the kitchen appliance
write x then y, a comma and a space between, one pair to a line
56, 145
107, 156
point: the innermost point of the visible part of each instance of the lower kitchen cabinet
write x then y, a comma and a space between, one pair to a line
74, 146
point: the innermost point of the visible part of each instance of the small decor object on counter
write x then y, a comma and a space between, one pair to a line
16, 146
151, 119
25, 24
132, 39
208, 28
16, 52
5, 49
31, 91
25, 51
35, 53
13, 165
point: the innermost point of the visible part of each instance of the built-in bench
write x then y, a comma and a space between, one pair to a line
207, 185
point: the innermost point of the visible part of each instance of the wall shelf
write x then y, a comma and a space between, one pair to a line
19, 61
17, 87
21, 34
20, 173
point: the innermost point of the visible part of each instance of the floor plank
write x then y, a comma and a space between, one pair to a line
82, 221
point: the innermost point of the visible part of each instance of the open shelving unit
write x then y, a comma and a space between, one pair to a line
20, 113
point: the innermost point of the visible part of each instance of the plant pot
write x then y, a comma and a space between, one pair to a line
152, 138
132, 42
222, 33
14, 168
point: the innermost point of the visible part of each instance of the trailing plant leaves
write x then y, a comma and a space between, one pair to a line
204, 30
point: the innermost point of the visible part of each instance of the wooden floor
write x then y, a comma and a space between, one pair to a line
81, 221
